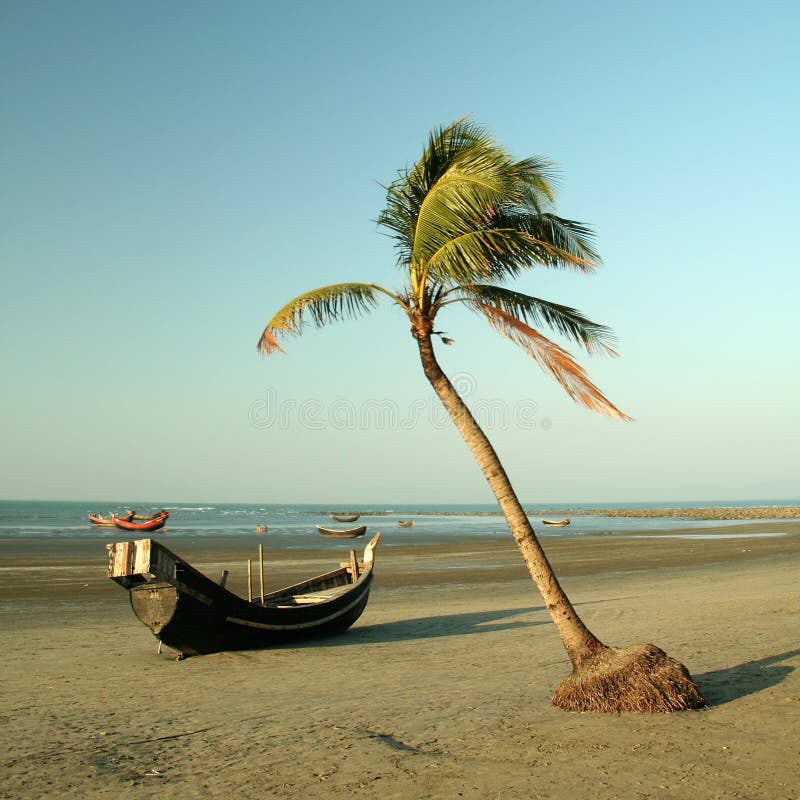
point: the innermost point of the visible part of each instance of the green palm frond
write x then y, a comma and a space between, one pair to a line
485, 254
569, 322
502, 249
463, 200
554, 360
460, 177
539, 178
319, 307
467, 212
552, 240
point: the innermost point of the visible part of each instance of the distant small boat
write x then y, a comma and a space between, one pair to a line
409, 524
556, 523
350, 533
345, 517
108, 522
153, 523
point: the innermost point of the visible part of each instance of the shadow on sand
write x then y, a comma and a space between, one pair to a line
434, 626
438, 626
724, 685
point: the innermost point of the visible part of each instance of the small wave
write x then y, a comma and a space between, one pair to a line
191, 508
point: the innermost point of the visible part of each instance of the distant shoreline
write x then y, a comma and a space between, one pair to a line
751, 512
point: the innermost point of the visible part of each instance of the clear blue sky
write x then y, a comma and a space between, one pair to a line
172, 173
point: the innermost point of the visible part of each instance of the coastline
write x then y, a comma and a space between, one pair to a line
723, 513
699, 512
440, 690
31, 567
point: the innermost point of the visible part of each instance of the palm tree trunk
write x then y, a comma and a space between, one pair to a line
580, 643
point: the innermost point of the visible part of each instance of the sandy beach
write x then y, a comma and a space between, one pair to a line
441, 690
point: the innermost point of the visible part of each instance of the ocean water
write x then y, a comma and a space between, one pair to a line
293, 526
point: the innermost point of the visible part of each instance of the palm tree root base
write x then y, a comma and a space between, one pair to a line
643, 679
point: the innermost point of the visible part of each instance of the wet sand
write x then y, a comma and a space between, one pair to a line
441, 689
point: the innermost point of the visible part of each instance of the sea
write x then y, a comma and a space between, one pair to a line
293, 526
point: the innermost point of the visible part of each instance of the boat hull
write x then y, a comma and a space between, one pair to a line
100, 522
154, 524
193, 614
352, 533
108, 522
192, 626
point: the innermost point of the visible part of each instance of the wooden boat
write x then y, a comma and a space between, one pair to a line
350, 533
409, 524
555, 523
146, 524
345, 517
194, 614
108, 522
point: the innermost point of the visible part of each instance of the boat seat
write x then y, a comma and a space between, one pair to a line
321, 597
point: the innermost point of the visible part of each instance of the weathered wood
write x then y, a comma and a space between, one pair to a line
261, 571
223, 578
353, 565
369, 550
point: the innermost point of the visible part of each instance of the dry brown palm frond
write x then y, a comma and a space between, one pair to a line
268, 344
554, 360
534, 311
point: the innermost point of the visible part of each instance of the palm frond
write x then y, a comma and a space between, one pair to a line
319, 307
467, 212
569, 322
499, 251
572, 241
455, 145
479, 255
539, 177
464, 200
554, 360
458, 179
551, 240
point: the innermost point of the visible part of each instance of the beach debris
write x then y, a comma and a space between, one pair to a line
389, 739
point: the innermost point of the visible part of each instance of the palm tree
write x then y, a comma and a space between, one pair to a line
466, 218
